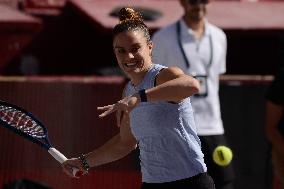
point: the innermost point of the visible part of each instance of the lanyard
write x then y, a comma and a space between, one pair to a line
178, 30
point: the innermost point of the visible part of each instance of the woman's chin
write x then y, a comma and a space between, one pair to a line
132, 70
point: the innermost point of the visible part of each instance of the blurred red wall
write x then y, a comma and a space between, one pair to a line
67, 106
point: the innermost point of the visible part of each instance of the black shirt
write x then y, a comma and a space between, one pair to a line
275, 94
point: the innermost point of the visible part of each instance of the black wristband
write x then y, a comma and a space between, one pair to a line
83, 160
142, 95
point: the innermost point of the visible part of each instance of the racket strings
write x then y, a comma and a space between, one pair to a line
21, 121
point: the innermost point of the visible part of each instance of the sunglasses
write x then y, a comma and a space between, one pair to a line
196, 2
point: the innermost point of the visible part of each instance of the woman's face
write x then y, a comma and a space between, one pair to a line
132, 52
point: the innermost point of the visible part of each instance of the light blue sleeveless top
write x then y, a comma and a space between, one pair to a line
169, 147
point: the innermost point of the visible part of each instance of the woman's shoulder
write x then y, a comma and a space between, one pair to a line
168, 73
158, 66
172, 70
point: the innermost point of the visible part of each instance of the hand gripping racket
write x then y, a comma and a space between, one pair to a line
25, 124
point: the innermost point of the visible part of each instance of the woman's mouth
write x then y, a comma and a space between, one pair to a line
131, 65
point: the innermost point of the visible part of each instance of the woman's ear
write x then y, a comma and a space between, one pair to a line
151, 46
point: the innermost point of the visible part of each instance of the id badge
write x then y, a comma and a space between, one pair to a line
203, 86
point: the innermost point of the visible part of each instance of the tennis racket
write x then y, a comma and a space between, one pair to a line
26, 125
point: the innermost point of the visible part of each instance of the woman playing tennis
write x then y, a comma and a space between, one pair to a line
155, 112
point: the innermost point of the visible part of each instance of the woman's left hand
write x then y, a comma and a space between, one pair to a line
126, 105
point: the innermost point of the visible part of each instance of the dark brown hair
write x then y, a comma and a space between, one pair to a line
131, 20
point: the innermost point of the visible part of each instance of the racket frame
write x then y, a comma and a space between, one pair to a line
40, 142
46, 144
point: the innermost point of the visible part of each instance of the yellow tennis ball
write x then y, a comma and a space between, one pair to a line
222, 155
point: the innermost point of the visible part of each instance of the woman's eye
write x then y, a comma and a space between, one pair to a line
135, 50
120, 51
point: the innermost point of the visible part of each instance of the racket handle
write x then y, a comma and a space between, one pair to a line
61, 158
57, 155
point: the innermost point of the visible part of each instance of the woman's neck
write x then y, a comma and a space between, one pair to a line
137, 78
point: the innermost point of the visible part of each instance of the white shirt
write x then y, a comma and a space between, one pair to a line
167, 52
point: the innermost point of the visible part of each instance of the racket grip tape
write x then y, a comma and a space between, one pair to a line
61, 158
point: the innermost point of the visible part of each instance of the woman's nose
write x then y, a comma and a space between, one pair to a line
129, 55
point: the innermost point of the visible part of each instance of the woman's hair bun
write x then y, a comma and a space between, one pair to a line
126, 14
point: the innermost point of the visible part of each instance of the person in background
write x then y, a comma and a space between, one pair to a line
275, 125
199, 48
154, 112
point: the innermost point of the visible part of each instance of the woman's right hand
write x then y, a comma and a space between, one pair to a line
75, 163
125, 105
